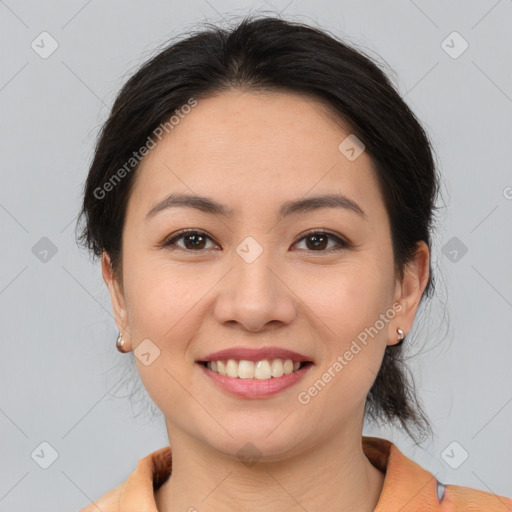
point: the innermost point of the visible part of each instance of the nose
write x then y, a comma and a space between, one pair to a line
255, 296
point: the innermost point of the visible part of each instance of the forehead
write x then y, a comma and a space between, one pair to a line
253, 148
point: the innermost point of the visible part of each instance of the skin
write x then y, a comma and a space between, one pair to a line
252, 152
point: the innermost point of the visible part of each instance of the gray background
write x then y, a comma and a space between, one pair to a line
61, 376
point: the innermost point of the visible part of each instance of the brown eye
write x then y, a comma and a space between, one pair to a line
318, 241
196, 241
192, 240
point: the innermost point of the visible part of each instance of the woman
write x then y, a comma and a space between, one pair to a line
262, 201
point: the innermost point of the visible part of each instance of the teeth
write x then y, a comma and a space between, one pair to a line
232, 368
261, 370
246, 370
277, 368
221, 367
288, 367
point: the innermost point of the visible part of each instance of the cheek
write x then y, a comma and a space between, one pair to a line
160, 306
347, 298
160, 298
351, 305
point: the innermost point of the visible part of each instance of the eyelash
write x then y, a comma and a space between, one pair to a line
342, 243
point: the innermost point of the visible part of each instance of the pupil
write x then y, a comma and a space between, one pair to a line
195, 241
318, 241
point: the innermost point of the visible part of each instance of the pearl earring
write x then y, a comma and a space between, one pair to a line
120, 344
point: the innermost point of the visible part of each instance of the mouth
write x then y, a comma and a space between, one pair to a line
255, 373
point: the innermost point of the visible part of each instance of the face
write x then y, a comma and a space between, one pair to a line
260, 276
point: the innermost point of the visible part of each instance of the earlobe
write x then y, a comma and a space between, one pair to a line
116, 296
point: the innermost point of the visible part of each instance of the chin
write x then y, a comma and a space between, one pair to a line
269, 440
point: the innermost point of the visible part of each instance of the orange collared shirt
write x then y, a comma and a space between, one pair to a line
407, 486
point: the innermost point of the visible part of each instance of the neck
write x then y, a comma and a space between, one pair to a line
333, 476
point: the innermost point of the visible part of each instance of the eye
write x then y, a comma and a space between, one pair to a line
318, 241
193, 240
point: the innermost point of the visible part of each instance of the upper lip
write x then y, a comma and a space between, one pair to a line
254, 354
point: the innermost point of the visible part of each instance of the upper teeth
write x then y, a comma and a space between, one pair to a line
264, 369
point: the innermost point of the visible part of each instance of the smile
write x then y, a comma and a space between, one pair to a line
264, 369
249, 372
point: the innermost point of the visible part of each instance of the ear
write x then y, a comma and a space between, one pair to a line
409, 290
116, 297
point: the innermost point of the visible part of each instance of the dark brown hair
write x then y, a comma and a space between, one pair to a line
271, 54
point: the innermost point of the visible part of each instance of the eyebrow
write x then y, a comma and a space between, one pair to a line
208, 205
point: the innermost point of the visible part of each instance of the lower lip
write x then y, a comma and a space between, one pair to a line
255, 388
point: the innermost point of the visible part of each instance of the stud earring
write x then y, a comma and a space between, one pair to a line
401, 335
120, 344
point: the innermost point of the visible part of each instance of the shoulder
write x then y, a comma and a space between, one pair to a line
408, 487
461, 498
137, 491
